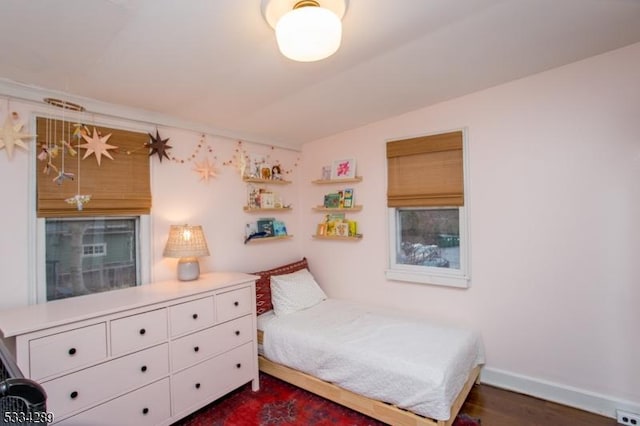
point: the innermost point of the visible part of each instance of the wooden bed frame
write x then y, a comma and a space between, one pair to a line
373, 408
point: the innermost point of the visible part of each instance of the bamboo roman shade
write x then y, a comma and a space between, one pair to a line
426, 171
117, 187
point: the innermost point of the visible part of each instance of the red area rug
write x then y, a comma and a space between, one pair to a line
282, 404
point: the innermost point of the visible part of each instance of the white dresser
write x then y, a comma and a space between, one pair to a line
148, 355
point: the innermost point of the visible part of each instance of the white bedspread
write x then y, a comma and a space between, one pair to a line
405, 361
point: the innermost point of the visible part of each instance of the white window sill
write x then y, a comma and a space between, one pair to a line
458, 281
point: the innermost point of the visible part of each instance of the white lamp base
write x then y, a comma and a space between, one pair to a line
188, 269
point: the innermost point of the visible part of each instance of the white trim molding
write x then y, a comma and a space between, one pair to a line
604, 405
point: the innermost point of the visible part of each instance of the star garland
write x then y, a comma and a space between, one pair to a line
11, 136
158, 146
97, 145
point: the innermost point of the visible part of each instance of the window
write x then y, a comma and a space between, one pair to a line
427, 216
105, 245
93, 250
77, 261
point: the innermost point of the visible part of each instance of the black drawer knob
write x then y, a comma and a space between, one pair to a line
238, 365
143, 368
195, 316
237, 332
73, 395
197, 385
145, 411
72, 351
142, 331
236, 303
196, 348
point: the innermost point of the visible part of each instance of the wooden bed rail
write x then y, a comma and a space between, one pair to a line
373, 408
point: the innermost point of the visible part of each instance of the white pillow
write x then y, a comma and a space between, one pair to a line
294, 292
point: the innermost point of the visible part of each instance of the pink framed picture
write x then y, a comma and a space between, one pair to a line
343, 169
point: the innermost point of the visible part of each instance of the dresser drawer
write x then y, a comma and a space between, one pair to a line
147, 406
138, 331
80, 390
67, 350
195, 386
191, 316
191, 349
233, 304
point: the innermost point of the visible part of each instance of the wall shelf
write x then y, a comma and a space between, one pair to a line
269, 239
335, 237
337, 181
259, 210
266, 181
323, 209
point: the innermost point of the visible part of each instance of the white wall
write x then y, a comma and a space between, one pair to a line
555, 167
178, 197
555, 235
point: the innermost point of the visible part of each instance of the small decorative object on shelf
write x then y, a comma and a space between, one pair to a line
263, 199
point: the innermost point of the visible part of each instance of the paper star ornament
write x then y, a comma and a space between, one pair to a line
205, 169
159, 146
10, 136
97, 145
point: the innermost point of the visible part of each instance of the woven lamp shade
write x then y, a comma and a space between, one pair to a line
186, 241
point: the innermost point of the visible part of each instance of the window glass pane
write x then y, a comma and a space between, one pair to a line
429, 237
90, 255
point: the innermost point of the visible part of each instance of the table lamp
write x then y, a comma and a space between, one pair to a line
186, 243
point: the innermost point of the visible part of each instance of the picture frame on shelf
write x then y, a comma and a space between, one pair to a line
343, 169
267, 200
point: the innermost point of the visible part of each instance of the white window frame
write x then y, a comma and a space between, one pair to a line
460, 278
102, 250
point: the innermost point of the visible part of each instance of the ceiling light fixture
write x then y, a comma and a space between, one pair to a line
306, 30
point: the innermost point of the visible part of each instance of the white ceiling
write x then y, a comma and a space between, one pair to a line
215, 62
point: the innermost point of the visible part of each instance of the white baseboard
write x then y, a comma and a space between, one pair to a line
555, 392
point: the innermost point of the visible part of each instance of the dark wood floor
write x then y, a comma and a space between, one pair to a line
498, 407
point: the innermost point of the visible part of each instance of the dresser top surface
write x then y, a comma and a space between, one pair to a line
26, 319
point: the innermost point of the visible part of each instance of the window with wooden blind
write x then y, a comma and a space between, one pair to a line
117, 187
427, 215
102, 246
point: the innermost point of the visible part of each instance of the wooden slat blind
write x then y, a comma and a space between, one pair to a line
426, 171
117, 187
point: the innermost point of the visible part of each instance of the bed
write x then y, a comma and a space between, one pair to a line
397, 368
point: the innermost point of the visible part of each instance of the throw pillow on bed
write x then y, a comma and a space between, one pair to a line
294, 292
263, 284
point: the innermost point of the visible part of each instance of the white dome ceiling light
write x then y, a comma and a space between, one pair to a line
306, 30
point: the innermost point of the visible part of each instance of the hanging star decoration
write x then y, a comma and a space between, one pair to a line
79, 200
97, 145
10, 136
205, 169
159, 146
